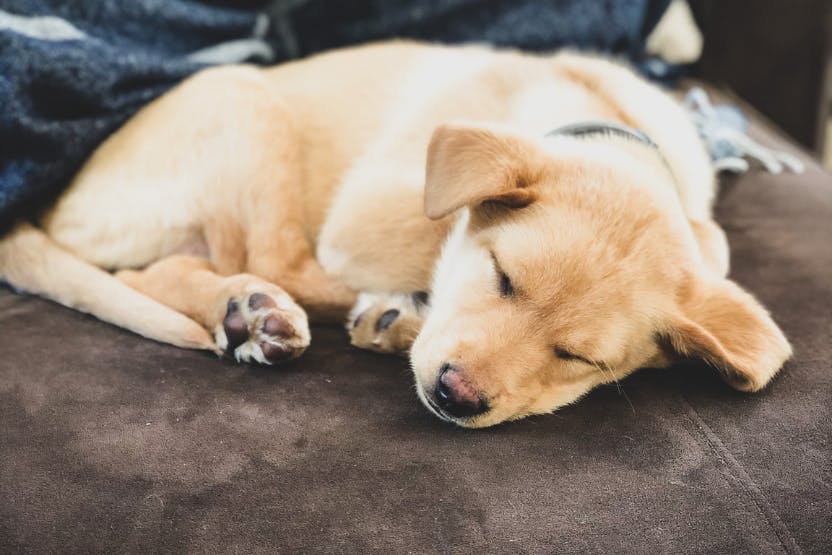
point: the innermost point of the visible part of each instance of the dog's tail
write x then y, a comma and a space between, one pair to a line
32, 262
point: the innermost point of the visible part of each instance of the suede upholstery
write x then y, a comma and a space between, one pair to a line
113, 443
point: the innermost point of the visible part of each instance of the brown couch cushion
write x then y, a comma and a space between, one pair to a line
109, 442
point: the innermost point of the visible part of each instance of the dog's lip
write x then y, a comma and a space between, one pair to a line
439, 413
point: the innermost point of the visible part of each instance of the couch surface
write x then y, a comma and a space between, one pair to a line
113, 443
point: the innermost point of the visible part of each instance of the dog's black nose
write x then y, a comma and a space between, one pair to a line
455, 395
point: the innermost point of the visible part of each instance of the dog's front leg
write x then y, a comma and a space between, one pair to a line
268, 227
296, 270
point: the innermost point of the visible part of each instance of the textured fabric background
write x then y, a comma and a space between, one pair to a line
113, 443
60, 98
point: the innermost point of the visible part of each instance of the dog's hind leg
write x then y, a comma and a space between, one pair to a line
31, 261
250, 185
250, 318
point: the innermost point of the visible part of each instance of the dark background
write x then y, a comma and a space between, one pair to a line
773, 53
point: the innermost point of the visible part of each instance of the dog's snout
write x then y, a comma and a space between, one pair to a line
455, 395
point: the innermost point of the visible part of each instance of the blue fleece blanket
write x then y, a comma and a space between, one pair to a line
73, 72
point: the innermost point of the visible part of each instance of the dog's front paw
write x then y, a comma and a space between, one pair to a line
387, 323
264, 327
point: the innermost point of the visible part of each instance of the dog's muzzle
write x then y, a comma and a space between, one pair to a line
453, 399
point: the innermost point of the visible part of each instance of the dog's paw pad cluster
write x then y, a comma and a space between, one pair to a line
386, 323
257, 328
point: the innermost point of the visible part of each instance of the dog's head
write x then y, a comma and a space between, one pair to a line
571, 266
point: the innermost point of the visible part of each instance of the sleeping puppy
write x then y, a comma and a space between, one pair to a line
557, 208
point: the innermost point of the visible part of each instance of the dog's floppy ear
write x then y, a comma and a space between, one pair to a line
729, 329
467, 166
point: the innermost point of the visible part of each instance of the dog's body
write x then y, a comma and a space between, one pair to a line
311, 176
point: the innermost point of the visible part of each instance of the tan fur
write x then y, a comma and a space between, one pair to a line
310, 178
363, 323
616, 281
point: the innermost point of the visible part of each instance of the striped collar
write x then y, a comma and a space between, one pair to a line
590, 128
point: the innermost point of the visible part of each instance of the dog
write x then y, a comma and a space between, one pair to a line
526, 227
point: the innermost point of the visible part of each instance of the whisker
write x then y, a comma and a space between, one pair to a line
605, 367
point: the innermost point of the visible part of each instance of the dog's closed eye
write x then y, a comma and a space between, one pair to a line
505, 285
564, 354
506, 288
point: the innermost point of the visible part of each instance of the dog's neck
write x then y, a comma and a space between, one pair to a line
589, 129
595, 129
